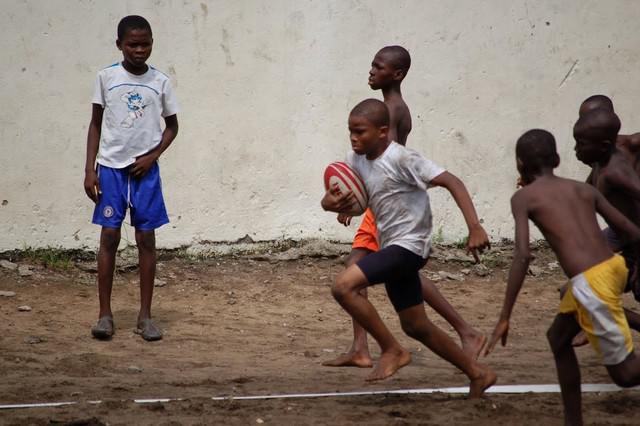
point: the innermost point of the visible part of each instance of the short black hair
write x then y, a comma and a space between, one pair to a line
399, 56
536, 149
133, 22
599, 124
373, 110
595, 102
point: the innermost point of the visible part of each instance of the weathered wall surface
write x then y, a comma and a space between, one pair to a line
265, 88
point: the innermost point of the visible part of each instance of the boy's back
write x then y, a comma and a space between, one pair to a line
400, 116
561, 207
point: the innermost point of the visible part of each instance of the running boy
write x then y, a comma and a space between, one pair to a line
388, 69
396, 180
133, 98
565, 212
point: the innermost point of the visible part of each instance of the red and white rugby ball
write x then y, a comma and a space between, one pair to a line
347, 180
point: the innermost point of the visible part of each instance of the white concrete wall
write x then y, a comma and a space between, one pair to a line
265, 88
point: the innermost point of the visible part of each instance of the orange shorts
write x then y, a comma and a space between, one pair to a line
367, 235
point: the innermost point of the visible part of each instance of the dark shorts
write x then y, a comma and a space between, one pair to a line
617, 245
397, 268
143, 197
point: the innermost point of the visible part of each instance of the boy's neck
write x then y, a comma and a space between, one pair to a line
133, 69
542, 174
391, 91
379, 150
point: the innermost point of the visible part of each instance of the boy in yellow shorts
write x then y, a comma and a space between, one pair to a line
565, 212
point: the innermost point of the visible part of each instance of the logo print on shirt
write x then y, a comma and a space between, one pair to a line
135, 105
107, 211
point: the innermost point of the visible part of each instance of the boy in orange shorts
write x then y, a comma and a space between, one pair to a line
388, 69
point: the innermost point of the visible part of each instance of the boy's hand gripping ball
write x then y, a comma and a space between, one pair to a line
347, 180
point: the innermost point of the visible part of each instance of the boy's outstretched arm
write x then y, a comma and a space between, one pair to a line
517, 272
144, 162
478, 239
91, 183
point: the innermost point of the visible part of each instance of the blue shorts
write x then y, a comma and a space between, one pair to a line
120, 190
397, 268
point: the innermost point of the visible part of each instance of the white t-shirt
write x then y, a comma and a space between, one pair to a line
397, 184
134, 106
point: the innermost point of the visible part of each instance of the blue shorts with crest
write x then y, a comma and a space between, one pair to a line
120, 190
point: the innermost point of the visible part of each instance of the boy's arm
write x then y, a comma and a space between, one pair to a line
624, 179
144, 162
478, 239
91, 183
634, 143
517, 272
623, 226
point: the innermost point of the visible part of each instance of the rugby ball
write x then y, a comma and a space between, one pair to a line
347, 180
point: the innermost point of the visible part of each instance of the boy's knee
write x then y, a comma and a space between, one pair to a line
110, 239
146, 240
414, 329
622, 377
553, 339
341, 287
558, 338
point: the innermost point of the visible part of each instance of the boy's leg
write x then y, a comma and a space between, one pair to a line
633, 318
109, 241
346, 291
148, 213
146, 241
560, 335
358, 355
627, 373
416, 325
472, 340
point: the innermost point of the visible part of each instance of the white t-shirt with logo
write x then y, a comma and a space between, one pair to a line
397, 184
134, 106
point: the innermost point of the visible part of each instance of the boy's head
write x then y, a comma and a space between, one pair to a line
595, 133
390, 65
368, 126
595, 102
135, 40
535, 152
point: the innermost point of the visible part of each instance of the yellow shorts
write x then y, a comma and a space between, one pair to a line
367, 235
594, 297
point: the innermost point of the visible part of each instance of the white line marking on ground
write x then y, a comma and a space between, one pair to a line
502, 389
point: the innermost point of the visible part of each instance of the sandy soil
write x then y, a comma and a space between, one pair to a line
241, 326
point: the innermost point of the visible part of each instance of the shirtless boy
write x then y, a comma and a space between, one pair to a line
565, 212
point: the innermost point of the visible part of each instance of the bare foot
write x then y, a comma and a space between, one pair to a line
580, 340
351, 359
389, 363
481, 383
473, 345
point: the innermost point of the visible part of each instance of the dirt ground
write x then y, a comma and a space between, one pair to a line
242, 325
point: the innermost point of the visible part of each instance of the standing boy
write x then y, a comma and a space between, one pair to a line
565, 212
396, 180
388, 69
130, 100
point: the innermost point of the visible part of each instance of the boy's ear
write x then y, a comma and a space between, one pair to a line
398, 75
383, 131
118, 44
